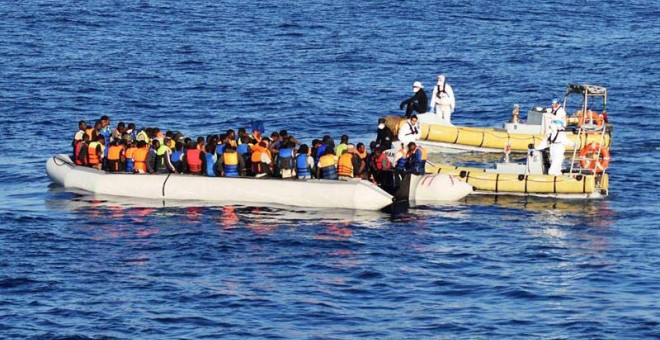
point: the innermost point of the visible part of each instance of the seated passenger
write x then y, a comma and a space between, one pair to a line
261, 159
327, 165
116, 158
128, 156
304, 163
140, 157
417, 157
285, 160
195, 158
231, 163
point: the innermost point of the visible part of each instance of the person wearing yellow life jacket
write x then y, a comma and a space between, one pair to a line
343, 145
140, 157
417, 157
261, 159
194, 158
345, 167
327, 165
95, 152
159, 160
128, 156
144, 135
116, 158
230, 163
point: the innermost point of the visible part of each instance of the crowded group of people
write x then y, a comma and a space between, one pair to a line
239, 153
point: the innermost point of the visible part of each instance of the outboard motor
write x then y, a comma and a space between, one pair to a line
537, 161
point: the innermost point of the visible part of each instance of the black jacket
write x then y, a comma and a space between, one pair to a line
384, 138
419, 100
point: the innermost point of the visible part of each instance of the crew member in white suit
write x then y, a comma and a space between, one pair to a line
442, 100
409, 131
557, 141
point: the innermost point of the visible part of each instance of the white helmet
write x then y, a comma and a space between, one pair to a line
418, 84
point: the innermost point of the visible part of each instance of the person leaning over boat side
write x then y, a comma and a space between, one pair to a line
409, 131
326, 168
304, 162
417, 103
558, 113
557, 141
384, 136
417, 157
140, 157
443, 100
230, 163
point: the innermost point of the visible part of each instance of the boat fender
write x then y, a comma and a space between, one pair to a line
462, 174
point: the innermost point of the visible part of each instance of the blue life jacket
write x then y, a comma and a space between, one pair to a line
320, 152
210, 163
417, 164
401, 164
220, 149
302, 168
285, 159
176, 158
243, 150
130, 165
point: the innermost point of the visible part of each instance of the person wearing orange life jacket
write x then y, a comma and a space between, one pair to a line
80, 151
95, 152
230, 163
128, 156
261, 159
116, 158
327, 165
417, 157
345, 165
140, 157
194, 158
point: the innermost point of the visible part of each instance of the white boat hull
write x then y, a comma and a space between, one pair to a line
314, 193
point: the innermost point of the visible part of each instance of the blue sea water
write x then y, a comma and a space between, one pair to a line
73, 266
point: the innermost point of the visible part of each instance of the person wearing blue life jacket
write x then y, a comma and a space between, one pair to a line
304, 163
230, 163
286, 160
177, 158
209, 160
401, 159
417, 157
244, 149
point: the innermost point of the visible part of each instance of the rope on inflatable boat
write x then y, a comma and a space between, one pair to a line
165, 182
63, 162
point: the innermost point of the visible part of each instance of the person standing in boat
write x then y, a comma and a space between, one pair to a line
409, 130
558, 114
443, 100
417, 103
557, 141
384, 136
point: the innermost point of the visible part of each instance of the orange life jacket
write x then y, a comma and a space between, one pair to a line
93, 156
193, 160
114, 152
140, 158
345, 165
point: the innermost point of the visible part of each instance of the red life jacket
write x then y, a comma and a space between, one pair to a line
194, 160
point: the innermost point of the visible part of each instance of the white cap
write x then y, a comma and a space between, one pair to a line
418, 84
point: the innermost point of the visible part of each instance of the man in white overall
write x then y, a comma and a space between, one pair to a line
443, 101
